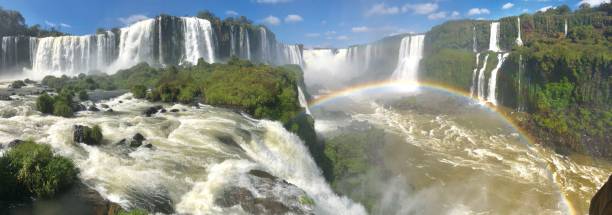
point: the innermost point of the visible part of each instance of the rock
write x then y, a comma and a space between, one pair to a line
152, 110
5, 98
601, 203
163, 110
228, 140
137, 140
79, 134
104, 106
174, 110
110, 110
262, 174
79, 107
93, 108
120, 101
148, 145
15, 142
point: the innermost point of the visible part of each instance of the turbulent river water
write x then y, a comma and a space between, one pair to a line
196, 153
449, 155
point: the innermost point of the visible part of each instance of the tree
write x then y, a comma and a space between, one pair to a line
83, 95
44, 104
61, 108
139, 91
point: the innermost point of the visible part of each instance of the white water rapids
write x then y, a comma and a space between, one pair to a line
188, 165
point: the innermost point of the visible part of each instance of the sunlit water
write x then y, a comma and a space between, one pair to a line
450, 156
190, 162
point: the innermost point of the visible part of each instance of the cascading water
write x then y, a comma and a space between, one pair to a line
105, 45
410, 55
289, 54
198, 40
136, 44
232, 42
328, 67
481, 79
69, 55
493, 39
196, 156
475, 76
519, 96
493, 80
474, 42
264, 45
245, 43
519, 40
303, 101
565, 28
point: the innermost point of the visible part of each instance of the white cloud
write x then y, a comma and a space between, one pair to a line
507, 6
64, 25
313, 35
343, 37
272, 1
293, 18
131, 19
525, 10
50, 24
381, 9
272, 20
360, 29
425, 8
455, 14
438, 15
544, 9
231, 13
594, 2
329, 33
478, 11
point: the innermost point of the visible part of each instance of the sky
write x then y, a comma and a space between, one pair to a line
314, 23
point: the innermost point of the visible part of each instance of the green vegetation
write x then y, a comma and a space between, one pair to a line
139, 91
133, 212
305, 200
13, 24
31, 170
59, 105
18, 84
93, 135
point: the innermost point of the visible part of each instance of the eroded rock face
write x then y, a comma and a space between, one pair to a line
271, 195
601, 204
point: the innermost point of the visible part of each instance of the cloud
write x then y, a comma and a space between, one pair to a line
423, 9
272, 20
593, 2
381, 9
329, 33
544, 9
478, 11
293, 18
342, 37
507, 6
50, 24
313, 35
132, 19
360, 29
438, 15
64, 25
272, 1
231, 13
455, 14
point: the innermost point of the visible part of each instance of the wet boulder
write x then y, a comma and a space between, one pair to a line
4, 97
275, 196
15, 142
104, 106
152, 110
174, 110
93, 108
137, 140
87, 135
601, 203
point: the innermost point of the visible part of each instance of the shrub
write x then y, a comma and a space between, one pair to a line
44, 104
60, 108
18, 84
35, 168
139, 91
94, 135
83, 95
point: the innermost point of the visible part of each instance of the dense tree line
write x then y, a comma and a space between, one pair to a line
12, 23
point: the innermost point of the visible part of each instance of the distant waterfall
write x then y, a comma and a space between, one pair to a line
245, 43
519, 95
519, 41
493, 80
565, 28
481, 79
264, 45
410, 55
289, 54
137, 44
232, 42
65, 55
475, 76
198, 40
474, 42
302, 99
493, 39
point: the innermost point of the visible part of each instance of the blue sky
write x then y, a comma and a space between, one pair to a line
326, 23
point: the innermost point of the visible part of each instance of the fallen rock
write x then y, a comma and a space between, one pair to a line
152, 110
137, 140
93, 108
601, 203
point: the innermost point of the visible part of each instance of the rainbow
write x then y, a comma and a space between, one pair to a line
437, 86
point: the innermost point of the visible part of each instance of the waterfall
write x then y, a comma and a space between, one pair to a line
328, 67
565, 28
493, 80
232, 42
410, 55
245, 44
64, 55
474, 42
481, 79
198, 40
105, 47
519, 41
289, 54
519, 95
474, 76
303, 102
493, 39
136, 44
264, 45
